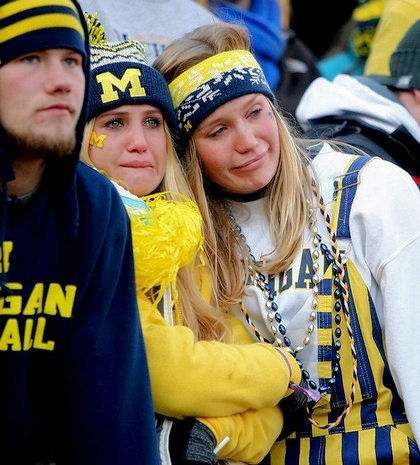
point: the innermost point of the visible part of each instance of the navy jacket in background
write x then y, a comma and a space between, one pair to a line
74, 383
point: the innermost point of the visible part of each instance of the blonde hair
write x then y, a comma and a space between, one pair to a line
288, 192
198, 314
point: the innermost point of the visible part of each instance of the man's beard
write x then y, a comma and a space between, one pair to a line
31, 145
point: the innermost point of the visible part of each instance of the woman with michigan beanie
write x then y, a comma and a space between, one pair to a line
194, 371
316, 254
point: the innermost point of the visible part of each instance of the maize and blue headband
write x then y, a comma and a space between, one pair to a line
33, 25
201, 89
120, 76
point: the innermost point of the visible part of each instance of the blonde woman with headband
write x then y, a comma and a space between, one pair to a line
194, 372
318, 256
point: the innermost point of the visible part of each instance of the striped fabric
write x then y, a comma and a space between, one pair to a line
31, 25
376, 431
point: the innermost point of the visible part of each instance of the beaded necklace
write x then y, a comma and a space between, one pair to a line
278, 329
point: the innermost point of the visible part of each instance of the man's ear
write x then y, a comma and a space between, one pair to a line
416, 93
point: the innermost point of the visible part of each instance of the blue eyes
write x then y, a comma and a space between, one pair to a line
30, 59
216, 132
114, 123
153, 122
150, 122
73, 61
36, 58
252, 114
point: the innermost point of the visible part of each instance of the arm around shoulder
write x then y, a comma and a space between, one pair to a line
209, 378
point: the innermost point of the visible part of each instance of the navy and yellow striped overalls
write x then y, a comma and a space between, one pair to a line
376, 429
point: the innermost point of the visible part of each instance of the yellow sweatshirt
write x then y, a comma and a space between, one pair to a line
232, 388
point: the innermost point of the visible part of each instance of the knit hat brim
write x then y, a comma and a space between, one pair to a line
120, 76
404, 63
27, 27
396, 82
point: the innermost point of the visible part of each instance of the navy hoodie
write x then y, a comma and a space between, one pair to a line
74, 386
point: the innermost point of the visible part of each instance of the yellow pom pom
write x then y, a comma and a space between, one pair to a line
95, 29
165, 239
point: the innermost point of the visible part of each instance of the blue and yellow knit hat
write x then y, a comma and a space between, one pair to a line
404, 63
28, 26
121, 76
34, 25
201, 89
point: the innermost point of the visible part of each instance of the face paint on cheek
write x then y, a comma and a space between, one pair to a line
96, 140
270, 114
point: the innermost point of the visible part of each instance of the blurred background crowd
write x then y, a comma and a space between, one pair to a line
295, 41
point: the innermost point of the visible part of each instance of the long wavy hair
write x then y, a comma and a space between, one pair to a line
198, 313
289, 192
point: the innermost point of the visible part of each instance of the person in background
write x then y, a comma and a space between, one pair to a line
193, 372
378, 114
287, 62
75, 385
316, 256
154, 23
396, 18
263, 20
349, 52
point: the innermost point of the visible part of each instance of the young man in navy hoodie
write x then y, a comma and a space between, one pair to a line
74, 384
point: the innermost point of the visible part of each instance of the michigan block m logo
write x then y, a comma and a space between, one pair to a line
109, 82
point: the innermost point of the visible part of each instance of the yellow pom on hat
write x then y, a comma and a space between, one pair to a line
95, 29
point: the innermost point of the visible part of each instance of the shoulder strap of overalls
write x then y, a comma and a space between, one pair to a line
345, 187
